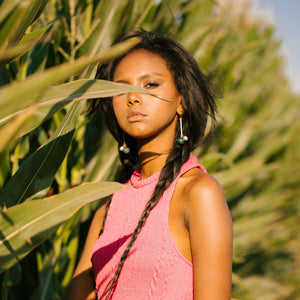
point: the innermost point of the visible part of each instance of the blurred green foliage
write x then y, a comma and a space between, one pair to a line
254, 153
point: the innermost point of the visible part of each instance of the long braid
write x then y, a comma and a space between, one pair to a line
176, 158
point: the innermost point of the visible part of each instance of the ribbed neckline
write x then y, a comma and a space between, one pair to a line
135, 179
136, 182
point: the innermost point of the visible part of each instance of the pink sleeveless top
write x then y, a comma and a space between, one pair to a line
154, 268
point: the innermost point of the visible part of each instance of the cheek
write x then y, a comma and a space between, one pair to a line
118, 108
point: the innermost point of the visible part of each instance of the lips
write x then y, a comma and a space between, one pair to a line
135, 116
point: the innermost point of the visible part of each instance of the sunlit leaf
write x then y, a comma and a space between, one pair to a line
25, 226
9, 26
32, 13
18, 95
9, 131
55, 98
25, 44
7, 6
37, 172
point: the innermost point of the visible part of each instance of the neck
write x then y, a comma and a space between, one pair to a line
153, 155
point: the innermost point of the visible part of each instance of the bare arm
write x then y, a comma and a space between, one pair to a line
81, 286
210, 229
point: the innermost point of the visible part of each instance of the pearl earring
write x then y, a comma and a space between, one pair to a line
124, 147
183, 138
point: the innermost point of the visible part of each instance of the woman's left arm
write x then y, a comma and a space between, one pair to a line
211, 236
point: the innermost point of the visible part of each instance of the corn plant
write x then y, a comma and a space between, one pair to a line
49, 52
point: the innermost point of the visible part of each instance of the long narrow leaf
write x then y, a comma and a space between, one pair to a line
55, 98
32, 13
12, 52
8, 27
7, 7
18, 95
37, 172
25, 226
10, 130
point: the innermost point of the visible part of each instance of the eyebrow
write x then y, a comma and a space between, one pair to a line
145, 76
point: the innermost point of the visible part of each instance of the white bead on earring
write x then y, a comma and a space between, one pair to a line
183, 138
124, 147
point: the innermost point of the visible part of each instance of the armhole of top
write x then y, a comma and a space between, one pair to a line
175, 246
107, 204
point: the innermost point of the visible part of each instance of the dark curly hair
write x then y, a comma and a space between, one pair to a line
198, 103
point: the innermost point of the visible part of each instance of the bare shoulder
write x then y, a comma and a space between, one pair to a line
209, 223
204, 197
201, 180
199, 186
210, 230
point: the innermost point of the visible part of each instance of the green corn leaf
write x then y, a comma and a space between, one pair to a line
9, 131
27, 42
100, 166
55, 98
25, 226
11, 23
97, 38
18, 95
7, 7
37, 172
32, 13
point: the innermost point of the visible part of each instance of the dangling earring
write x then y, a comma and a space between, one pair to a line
183, 138
124, 147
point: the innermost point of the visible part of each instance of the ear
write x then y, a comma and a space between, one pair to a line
180, 110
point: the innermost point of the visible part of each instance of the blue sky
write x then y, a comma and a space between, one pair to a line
285, 14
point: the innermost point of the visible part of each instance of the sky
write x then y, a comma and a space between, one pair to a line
285, 15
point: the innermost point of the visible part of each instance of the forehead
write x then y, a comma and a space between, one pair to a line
141, 61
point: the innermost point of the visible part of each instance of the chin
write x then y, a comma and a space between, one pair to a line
142, 137
138, 134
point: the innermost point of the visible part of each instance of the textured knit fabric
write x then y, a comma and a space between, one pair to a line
154, 268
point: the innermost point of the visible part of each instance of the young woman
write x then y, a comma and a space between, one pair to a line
168, 234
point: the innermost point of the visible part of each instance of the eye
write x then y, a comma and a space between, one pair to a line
151, 85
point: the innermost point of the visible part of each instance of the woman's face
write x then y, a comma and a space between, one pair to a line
141, 115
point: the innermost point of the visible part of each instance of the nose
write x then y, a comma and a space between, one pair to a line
134, 98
